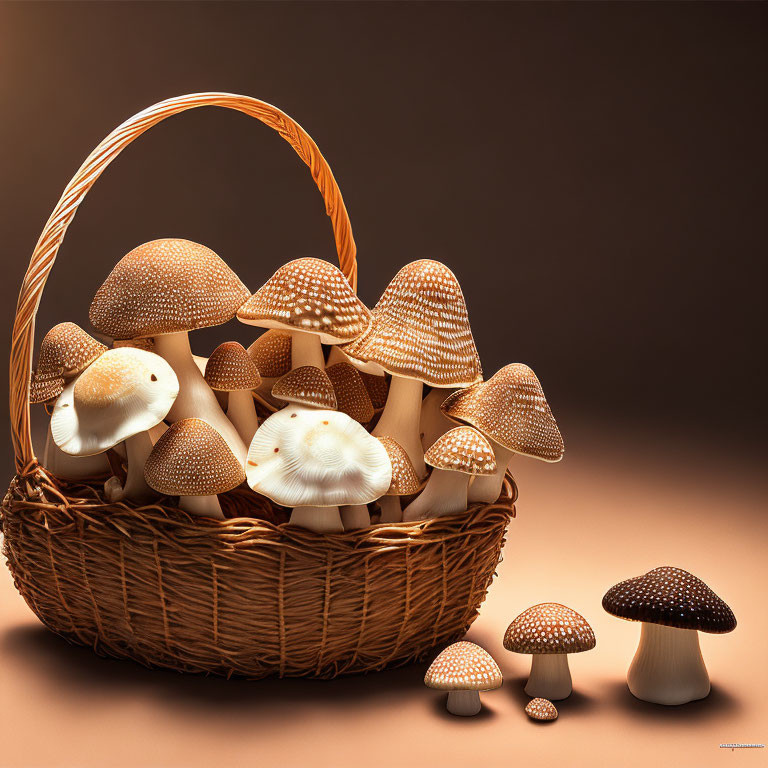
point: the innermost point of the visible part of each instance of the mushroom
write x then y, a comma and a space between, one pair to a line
457, 455
463, 669
271, 354
420, 334
312, 300
313, 460
306, 385
192, 461
119, 397
164, 289
352, 397
549, 631
433, 423
541, 709
404, 481
674, 607
230, 369
511, 411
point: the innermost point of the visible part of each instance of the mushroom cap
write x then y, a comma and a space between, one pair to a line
65, 351
541, 709
378, 388
192, 459
306, 385
310, 457
511, 409
672, 597
462, 449
43, 389
352, 397
549, 628
231, 369
420, 330
463, 666
405, 481
166, 286
310, 295
271, 353
122, 393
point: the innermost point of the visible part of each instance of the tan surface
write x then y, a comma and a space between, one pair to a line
614, 508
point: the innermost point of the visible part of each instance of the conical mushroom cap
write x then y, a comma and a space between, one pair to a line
231, 369
66, 350
549, 628
378, 388
352, 397
310, 295
405, 481
511, 409
464, 666
166, 286
462, 449
192, 459
271, 353
420, 329
41, 390
541, 709
306, 385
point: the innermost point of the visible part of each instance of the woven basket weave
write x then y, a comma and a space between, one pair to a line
250, 595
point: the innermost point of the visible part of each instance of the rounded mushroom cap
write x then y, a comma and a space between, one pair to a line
310, 295
672, 597
541, 709
352, 397
192, 459
271, 353
309, 457
511, 409
43, 389
549, 628
463, 666
122, 393
65, 351
166, 286
231, 369
405, 481
306, 385
420, 329
462, 449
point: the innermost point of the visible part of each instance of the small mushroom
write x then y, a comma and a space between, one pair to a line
306, 385
549, 632
192, 461
463, 669
457, 455
541, 709
674, 607
433, 423
352, 397
404, 481
271, 354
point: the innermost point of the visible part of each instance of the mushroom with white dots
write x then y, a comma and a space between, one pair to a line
541, 709
271, 354
404, 482
352, 397
308, 386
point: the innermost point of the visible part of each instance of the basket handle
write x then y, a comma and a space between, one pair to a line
53, 234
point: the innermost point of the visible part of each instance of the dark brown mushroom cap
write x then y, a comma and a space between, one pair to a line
549, 628
65, 351
672, 597
271, 353
306, 385
352, 397
166, 286
231, 369
378, 388
42, 390
463, 666
541, 709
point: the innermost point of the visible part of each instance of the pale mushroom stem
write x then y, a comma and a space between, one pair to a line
391, 511
444, 494
668, 667
202, 506
68, 467
306, 349
336, 356
320, 519
463, 703
355, 516
195, 399
137, 450
400, 419
241, 411
487, 488
434, 423
550, 677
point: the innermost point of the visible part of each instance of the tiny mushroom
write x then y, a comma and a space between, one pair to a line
271, 354
352, 397
455, 457
673, 606
541, 709
463, 669
549, 632
404, 481
307, 385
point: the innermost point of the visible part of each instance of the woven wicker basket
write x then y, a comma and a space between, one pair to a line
251, 595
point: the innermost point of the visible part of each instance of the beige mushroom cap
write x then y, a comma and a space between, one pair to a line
231, 369
549, 628
541, 709
192, 459
166, 286
405, 481
352, 397
310, 295
464, 666
65, 351
271, 353
306, 385
462, 449
420, 329
511, 409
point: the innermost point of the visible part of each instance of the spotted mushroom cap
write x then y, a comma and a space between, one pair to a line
65, 351
511, 409
310, 295
405, 481
463, 666
549, 628
306, 385
192, 459
231, 369
541, 709
462, 449
166, 286
43, 389
352, 397
420, 329
378, 388
271, 353
672, 597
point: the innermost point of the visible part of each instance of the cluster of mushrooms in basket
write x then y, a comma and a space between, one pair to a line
344, 415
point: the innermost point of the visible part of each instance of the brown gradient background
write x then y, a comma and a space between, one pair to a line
596, 176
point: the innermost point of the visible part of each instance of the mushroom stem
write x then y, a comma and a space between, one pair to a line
487, 488
391, 511
306, 349
68, 467
463, 703
400, 419
668, 667
550, 677
433, 423
355, 516
137, 450
444, 494
241, 411
195, 399
336, 356
320, 519
202, 506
